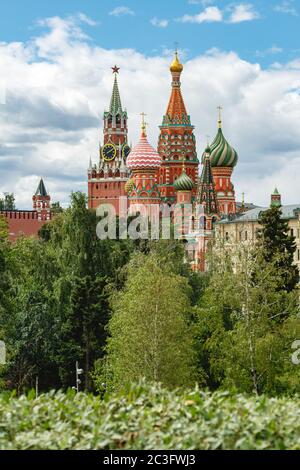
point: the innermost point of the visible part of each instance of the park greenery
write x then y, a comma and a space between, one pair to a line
147, 416
128, 310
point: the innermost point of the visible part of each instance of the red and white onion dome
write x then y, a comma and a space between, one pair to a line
143, 156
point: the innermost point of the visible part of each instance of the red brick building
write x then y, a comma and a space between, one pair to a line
26, 222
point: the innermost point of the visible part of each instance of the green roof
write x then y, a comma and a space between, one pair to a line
41, 189
222, 154
183, 183
115, 102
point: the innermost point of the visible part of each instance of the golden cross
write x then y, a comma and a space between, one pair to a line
144, 124
220, 115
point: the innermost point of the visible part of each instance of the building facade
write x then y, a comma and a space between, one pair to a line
28, 222
245, 228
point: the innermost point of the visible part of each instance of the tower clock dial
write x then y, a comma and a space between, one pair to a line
109, 152
125, 150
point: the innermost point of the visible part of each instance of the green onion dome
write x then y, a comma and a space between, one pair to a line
222, 154
184, 182
129, 186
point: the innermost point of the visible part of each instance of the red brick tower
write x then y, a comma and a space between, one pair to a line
41, 202
176, 140
106, 181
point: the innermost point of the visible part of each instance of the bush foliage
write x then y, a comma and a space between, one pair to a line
149, 417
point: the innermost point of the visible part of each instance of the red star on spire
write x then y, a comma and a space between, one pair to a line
115, 69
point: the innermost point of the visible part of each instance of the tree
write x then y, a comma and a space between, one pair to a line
56, 208
3, 228
279, 247
241, 322
149, 327
7, 203
84, 328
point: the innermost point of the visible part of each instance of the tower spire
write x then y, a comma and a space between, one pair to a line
176, 111
207, 195
115, 102
220, 109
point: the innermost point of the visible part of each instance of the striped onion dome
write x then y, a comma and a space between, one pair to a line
143, 156
129, 186
222, 154
183, 183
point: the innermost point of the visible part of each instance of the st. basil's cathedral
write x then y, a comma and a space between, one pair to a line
166, 176
169, 174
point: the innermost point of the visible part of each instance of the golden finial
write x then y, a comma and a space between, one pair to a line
220, 109
176, 66
144, 125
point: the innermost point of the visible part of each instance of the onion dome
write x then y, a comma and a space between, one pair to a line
129, 186
184, 182
222, 154
176, 66
143, 155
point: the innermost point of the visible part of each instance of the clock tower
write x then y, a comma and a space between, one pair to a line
107, 179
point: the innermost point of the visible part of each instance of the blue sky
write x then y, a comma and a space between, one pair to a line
56, 81
268, 33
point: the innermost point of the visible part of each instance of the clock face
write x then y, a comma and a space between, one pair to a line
125, 150
109, 152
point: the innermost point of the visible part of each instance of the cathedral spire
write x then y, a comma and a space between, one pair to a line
176, 139
176, 111
207, 194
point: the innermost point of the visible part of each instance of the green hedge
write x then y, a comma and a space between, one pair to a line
149, 417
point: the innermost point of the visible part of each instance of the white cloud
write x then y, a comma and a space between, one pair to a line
204, 3
122, 11
270, 51
287, 6
243, 12
86, 19
159, 23
60, 82
210, 14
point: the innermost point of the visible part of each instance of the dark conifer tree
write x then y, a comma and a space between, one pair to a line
279, 247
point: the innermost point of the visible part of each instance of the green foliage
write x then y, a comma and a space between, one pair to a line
3, 228
7, 203
149, 328
57, 288
246, 326
149, 417
279, 247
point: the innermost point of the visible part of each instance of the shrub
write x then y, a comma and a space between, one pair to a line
149, 417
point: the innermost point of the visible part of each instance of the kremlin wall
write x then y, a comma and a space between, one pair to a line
168, 175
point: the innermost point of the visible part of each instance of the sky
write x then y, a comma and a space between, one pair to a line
56, 81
